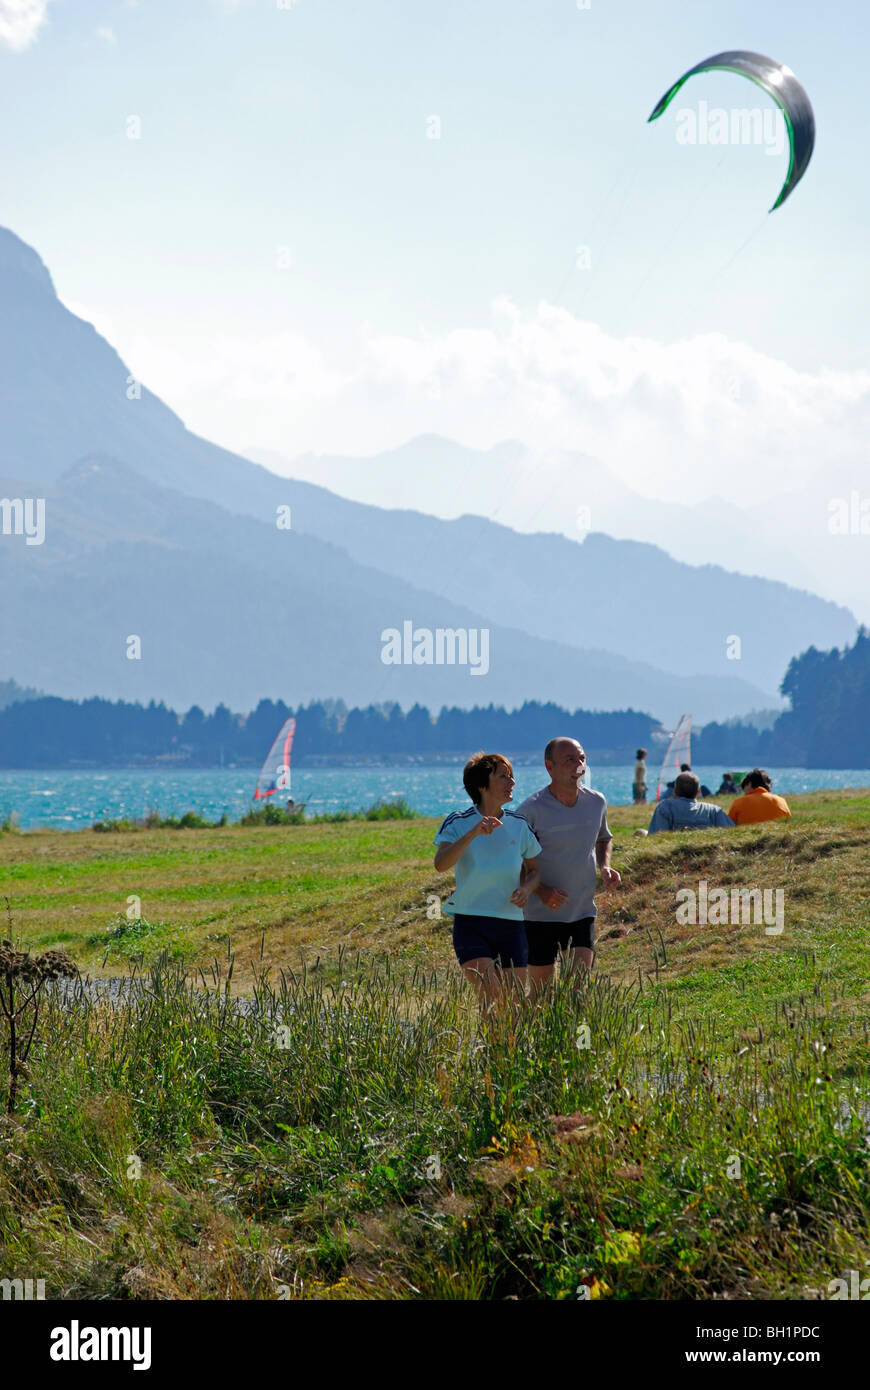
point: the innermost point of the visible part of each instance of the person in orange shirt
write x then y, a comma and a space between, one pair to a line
758, 802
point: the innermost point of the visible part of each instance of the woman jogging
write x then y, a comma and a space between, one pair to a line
495, 856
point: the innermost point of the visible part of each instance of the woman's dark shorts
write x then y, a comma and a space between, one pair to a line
547, 939
498, 938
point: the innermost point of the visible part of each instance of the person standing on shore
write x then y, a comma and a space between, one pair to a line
639, 790
495, 856
570, 823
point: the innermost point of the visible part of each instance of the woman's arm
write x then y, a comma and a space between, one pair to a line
446, 855
530, 878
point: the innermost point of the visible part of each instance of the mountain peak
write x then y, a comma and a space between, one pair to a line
17, 259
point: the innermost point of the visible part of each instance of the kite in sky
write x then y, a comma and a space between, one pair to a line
780, 83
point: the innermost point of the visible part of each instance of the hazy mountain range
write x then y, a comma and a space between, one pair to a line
154, 533
795, 541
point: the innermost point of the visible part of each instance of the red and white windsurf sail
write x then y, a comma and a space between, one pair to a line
679, 751
275, 776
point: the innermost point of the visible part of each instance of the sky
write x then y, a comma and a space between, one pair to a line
245, 197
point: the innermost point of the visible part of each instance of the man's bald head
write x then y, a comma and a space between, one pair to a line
566, 765
555, 745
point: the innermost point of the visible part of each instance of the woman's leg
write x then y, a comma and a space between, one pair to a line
483, 977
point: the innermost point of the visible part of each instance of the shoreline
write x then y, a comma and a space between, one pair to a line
328, 762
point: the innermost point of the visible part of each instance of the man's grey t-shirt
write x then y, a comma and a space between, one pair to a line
568, 836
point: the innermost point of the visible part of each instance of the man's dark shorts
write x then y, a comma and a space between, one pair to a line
547, 939
499, 938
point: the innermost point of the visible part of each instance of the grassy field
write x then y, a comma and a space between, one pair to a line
692, 1124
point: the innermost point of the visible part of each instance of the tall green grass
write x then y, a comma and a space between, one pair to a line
370, 1138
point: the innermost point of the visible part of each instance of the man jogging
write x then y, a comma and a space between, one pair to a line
570, 823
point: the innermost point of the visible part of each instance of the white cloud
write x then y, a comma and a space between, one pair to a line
20, 22
688, 420
703, 418
104, 32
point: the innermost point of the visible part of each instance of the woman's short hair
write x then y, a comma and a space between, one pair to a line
756, 778
479, 769
641, 753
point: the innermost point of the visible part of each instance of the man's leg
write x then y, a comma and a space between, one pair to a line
576, 958
577, 950
539, 977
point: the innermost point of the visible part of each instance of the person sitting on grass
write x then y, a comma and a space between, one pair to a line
758, 803
495, 857
683, 810
687, 767
729, 787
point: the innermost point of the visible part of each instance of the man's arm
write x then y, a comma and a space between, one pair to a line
609, 877
551, 897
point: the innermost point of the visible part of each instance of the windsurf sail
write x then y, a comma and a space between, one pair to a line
275, 776
679, 751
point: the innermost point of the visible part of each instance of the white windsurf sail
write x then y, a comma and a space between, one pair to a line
679, 751
275, 776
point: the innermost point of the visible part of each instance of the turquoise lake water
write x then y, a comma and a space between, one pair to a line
71, 800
